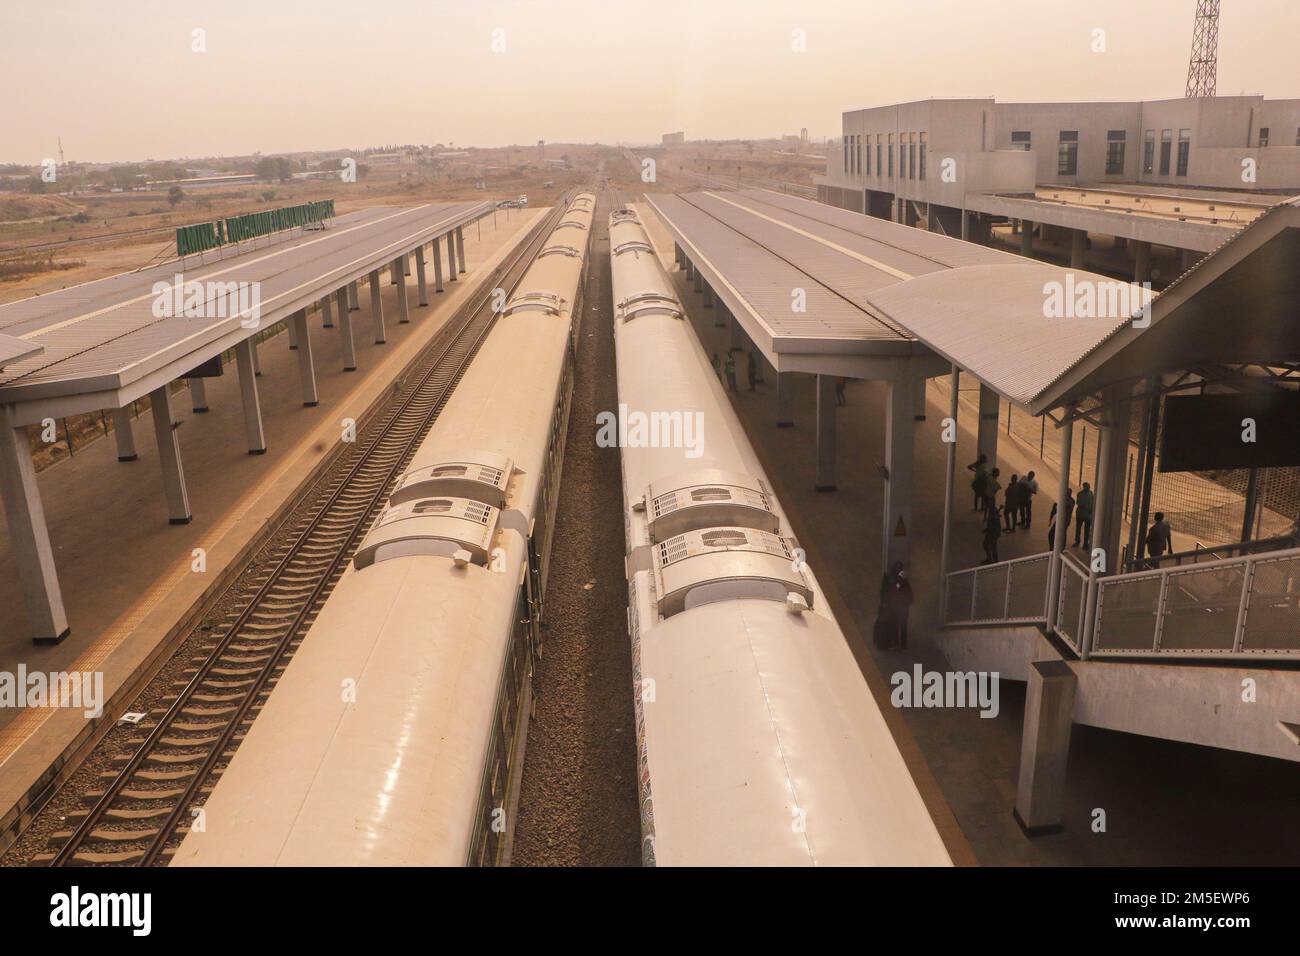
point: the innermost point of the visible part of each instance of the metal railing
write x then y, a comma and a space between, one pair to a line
1244, 607
1071, 603
1202, 554
1009, 592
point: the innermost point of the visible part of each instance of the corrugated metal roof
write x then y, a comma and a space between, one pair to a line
103, 335
981, 309
12, 350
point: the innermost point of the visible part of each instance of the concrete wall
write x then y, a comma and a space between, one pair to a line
1224, 131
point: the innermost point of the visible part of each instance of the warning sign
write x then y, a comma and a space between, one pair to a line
900, 530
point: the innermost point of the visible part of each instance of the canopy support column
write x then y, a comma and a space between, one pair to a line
437, 266
1062, 526
421, 280
306, 365
377, 309
403, 307
345, 331
460, 248
451, 258
987, 439
252, 404
900, 438
327, 310
198, 396
949, 484
125, 438
28, 536
825, 433
169, 454
785, 399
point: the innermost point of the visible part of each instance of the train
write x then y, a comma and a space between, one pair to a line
395, 736
758, 739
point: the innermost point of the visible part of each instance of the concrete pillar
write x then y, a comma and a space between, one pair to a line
1026, 237
403, 307
451, 258
918, 400
198, 396
690, 270
377, 309
721, 316
1141, 262
345, 331
421, 281
1062, 524
169, 455
29, 539
900, 435
987, 441
460, 248
437, 266
699, 281
825, 433
327, 311
1112, 477
708, 296
1045, 746
394, 271
785, 399
306, 367
257, 362
125, 438
292, 334
406, 265
252, 404
354, 300
949, 483
739, 339
1078, 249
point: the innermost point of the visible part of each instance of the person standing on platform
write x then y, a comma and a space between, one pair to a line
1160, 538
1011, 511
979, 466
730, 369
896, 604
992, 531
1029, 490
1051, 521
840, 399
991, 488
1083, 516
717, 366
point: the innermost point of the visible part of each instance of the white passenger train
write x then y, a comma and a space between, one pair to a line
395, 735
759, 740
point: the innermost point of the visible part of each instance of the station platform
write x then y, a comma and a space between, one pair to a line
127, 575
1155, 792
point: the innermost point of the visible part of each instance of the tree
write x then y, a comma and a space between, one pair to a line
175, 195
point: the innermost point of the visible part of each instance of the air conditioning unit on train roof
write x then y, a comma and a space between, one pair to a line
479, 475
708, 498
430, 526
725, 564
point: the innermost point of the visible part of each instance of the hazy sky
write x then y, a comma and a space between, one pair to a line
119, 80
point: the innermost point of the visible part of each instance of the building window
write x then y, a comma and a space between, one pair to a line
1116, 140
1263, 136
868, 154
1166, 150
891, 154
880, 166
1184, 150
1067, 153
857, 155
911, 156
922, 156
1149, 152
1021, 138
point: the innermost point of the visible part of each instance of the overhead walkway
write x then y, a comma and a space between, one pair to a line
102, 345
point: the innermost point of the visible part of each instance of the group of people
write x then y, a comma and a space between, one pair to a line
1016, 510
727, 369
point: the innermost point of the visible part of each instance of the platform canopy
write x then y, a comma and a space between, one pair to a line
1026, 329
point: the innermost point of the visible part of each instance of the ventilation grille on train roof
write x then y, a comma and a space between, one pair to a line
711, 494
643, 303
548, 302
445, 507
633, 245
624, 215
559, 249
694, 543
480, 480
572, 224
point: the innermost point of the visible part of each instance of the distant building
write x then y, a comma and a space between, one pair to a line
674, 139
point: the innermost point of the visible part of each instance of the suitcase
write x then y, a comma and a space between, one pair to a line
885, 634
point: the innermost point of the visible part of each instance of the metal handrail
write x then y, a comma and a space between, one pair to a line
1259, 546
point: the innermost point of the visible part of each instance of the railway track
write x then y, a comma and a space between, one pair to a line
155, 775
